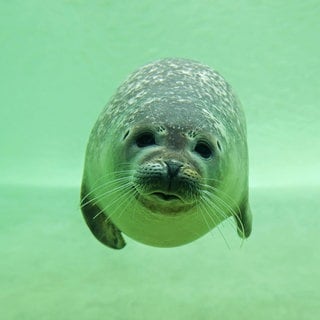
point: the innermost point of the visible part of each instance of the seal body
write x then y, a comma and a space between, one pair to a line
167, 159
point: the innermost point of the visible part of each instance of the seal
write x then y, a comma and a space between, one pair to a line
167, 159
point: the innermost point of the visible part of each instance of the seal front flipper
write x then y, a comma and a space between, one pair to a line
99, 224
244, 219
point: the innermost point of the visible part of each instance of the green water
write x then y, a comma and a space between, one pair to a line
60, 61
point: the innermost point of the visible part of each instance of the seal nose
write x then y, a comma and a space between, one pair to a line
173, 167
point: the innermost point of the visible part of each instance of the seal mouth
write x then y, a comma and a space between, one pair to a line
165, 196
164, 203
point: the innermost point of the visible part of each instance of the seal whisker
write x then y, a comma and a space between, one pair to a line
124, 195
216, 224
233, 212
133, 194
104, 194
221, 202
118, 210
200, 209
210, 197
219, 210
116, 200
216, 190
112, 174
213, 179
108, 184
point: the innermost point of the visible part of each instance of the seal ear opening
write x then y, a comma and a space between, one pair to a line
99, 224
244, 219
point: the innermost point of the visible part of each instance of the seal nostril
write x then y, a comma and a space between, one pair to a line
173, 167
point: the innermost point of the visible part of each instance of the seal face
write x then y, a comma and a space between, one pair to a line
167, 159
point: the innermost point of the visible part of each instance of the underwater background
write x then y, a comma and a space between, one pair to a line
60, 62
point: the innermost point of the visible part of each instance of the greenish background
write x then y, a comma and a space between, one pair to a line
60, 61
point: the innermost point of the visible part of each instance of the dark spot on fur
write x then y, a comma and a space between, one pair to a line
219, 145
125, 135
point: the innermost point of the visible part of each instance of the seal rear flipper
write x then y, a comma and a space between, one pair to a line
99, 224
244, 219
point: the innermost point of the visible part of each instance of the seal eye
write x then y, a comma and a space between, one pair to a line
203, 150
145, 139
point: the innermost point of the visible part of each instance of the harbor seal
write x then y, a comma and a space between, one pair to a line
167, 159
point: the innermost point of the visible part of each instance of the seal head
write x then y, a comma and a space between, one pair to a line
167, 159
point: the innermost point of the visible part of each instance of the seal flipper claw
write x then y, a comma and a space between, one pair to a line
244, 220
99, 224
